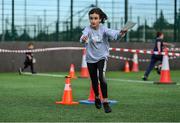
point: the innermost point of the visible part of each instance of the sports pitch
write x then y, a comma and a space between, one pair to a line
31, 98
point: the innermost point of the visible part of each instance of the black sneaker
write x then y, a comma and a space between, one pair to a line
20, 71
144, 78
107, 108
97, 103
158, 72
156, 67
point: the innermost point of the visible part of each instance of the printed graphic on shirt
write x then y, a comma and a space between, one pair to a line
97, 39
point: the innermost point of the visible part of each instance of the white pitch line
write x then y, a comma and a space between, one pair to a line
112, 79
133, 81
44, 74
51, 75
127, 80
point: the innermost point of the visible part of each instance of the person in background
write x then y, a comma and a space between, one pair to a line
29, 60
159, 45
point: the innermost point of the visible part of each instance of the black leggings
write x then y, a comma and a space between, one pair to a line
28, 63
154, 59
97, 70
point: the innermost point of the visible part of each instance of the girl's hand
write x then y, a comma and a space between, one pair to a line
123, 33
85, 39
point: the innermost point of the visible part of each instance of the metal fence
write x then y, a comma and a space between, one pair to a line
59, 20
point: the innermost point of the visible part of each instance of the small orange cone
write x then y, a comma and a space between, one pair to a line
126, 69
72, 72
67, 96
91, 98
84, 69
165, 71
135, 67
91, 94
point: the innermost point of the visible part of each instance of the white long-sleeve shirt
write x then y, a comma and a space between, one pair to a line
97, 46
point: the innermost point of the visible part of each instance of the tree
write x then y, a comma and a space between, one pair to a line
178, 24
24, 37
161, 23
7, 36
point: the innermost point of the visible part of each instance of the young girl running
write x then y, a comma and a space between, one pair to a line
29, 60
96, 36
159, 46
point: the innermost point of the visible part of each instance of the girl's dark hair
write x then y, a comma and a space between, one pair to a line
101, 14
158, 34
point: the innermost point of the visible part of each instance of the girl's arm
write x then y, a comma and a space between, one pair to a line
168, 44
159, 46
84, 36
115, 34
29, 56
165, 44
123, 33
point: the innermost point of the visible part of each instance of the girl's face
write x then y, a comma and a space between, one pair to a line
94, 20
30, 47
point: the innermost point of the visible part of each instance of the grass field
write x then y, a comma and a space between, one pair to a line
26, 98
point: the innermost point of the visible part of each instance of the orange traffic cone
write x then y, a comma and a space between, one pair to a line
84, 69
72, 72
126, 69
67, 96
91, 94
135, 67
165, 70
91, 97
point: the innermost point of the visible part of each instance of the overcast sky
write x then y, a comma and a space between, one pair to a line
113, 8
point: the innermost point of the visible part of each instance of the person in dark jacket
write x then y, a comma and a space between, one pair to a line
159, 45
29, 60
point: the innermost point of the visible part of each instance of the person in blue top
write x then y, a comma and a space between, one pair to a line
159, 45
95, 37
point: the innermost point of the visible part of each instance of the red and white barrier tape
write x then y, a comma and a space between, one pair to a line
143, 51
174, 49
128, 59
80, 48
40, 50
131, 59
173, 57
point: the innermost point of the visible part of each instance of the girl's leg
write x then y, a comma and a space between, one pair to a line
92, 68
32, 67
26, 64
150, 67
102, 69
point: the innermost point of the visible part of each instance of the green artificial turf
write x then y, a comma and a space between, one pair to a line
29, 98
